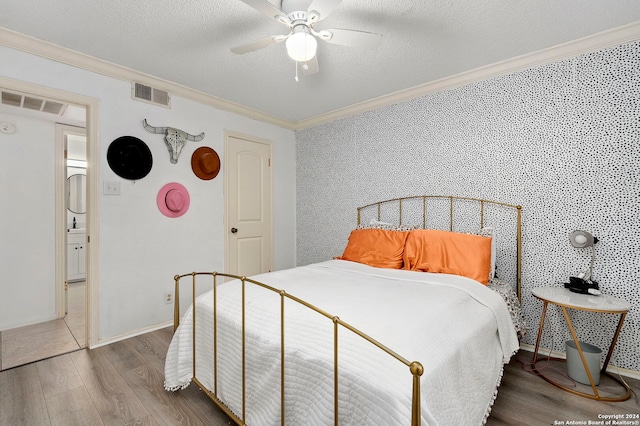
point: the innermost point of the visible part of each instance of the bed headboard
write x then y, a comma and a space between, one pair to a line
461, 214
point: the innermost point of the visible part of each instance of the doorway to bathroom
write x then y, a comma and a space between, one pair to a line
46, 309
70, 294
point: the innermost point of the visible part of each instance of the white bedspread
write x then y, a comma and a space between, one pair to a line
458, 329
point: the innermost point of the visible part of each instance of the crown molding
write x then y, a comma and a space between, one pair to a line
592, 43
67, 56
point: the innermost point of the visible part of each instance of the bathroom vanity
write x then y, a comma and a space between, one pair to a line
76, 254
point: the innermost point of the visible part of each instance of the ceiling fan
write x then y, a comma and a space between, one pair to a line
301, 16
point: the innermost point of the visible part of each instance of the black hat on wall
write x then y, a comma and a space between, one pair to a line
129, 157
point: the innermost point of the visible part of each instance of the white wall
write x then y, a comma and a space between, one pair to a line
27, 238
140, 250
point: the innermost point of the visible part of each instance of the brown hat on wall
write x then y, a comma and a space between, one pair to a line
205, 163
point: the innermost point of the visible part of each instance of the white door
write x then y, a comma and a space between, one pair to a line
248, 205
73, 261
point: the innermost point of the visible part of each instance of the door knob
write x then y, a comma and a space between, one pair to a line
234, 230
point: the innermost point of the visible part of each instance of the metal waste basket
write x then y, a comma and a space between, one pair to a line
592, 354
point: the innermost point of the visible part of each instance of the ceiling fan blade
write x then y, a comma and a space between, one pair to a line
268, 9
258, 44
311, 66
351, 38
323, 7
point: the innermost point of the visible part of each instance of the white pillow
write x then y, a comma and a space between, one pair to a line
377, 222
489, 231
492, 232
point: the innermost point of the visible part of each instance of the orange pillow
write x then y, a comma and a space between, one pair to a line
448, 252
376, 247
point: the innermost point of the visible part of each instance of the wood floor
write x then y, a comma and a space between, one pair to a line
23, 345
526, 399
122, 384
118, 384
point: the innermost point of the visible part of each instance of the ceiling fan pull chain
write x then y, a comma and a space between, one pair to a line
296, 70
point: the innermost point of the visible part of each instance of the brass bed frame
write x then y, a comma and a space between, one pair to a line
450, 201
415, 368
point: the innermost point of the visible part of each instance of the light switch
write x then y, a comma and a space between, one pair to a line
111, 188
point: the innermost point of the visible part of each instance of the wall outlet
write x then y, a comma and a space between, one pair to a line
168, 298
111, 188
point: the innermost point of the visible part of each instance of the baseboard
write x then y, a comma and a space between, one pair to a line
556, 354
145, 330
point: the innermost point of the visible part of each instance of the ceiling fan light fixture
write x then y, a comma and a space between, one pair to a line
301, 46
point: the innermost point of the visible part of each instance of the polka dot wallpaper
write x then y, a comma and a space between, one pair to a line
562, 140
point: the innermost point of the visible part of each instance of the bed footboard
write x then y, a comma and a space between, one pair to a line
414, 368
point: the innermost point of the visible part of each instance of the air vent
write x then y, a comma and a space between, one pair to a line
152, 95
32, 103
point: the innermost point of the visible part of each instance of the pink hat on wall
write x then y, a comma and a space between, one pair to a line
173, 200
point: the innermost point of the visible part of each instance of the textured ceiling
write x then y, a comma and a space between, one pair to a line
188, 42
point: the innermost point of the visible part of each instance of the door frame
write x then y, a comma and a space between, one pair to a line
91, 106
233, 134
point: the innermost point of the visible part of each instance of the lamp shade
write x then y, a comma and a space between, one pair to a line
301, 46
582, 239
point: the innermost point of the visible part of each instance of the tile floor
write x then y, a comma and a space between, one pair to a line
35, 342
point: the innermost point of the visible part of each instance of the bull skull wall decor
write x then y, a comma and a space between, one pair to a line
174, 139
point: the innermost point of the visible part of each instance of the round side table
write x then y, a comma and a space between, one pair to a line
604, 304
